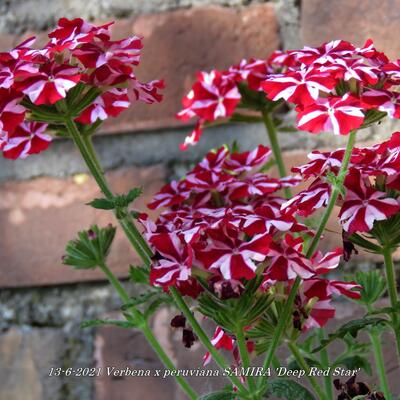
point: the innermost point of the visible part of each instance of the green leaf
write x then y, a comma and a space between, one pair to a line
102, 204
288, 390
221, 395
357, 361
373, 286
102, 322
90, 249
142, 298
350, 328
139, 275
134, 194
364, 243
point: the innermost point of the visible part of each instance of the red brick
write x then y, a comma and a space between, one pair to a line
352, 20
38, 217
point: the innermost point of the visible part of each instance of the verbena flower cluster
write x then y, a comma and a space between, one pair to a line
332, 87
80, 59
371, 184
226, 222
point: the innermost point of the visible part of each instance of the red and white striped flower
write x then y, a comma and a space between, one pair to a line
320, 163
147, 92
309, 200
171, 194
255, 185
287, 260
322, 311
175, 260
324, 289
214, 95
363, 205
248, 160
299, 87
327, 53
220, 340
72, 33
50, 84
382, 100
28, 138
232, 257
339, 115
108, 104
11, 112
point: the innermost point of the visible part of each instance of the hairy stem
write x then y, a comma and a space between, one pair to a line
293, 291
303, 364
276, 150
392, 290
324, 356
244, 355
380, 363
94, 167
334, 194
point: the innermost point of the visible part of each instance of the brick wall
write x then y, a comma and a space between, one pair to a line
42, 198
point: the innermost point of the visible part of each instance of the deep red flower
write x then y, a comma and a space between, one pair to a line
300, 87
233, 257
50, 84
339, 115
28, 138
108, 104
363, 205
287, 260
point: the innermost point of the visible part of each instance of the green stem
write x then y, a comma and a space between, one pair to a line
132, 233
281, 326
392, 289
276, 150
144, 327
198, 330
144, 251
303, 364
244, 355
85, 147
380, 364
293, 291
325, 362
334, 194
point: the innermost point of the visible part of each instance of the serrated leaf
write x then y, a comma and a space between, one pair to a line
288, 390
221, 395
140, 299
102, 204
101, 322
134, 194
350, 328
139, 275
90, 248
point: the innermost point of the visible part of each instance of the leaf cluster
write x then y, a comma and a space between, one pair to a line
90, 248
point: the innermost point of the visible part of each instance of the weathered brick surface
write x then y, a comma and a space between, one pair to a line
38, 217
352, 20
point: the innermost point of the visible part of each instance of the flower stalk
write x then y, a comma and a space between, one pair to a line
392, 290
276, 150
283, 320
303, 364
132, 234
